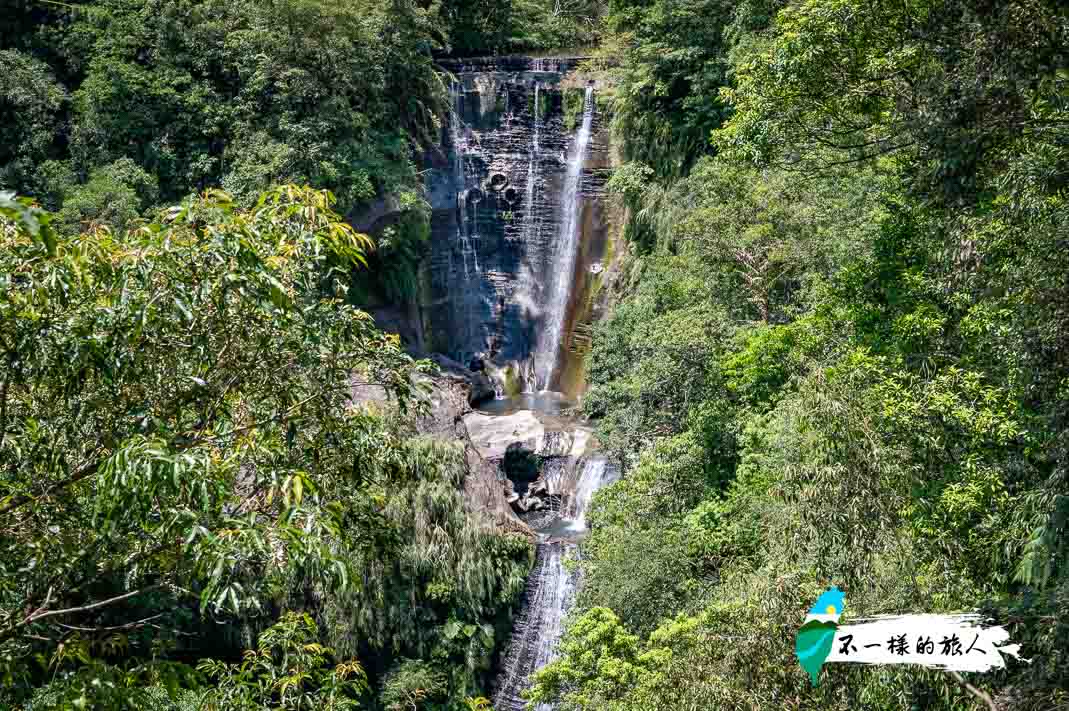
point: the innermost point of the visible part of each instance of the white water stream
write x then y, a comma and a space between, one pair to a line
550, 593
563, 254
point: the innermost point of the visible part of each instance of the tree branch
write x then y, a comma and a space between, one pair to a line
23, 499
128, 625
86, 608
983, 696
41, 613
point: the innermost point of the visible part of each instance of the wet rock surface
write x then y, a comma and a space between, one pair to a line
482, 388
517, 225
496, 187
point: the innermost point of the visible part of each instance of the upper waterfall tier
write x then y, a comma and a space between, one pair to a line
511, 63
516, 224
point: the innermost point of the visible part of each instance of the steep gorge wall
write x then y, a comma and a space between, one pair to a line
496, 187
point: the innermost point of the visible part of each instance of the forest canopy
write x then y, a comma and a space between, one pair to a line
841, 354
835, 351
111, 109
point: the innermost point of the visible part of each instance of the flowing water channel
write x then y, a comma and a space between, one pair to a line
551, 586
517, 239
562, 256
550, 592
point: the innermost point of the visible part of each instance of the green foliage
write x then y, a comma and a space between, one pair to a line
667, 99
768, 239
145, 449
573, 102
845, 81
106, 693
30, 104
289, 669
115, 195
398, 258
476, 27
436, 583
638, 389
601, 660
243, 95
411, 684
874, 394
179, 437
478, 703
95, 684
645, 511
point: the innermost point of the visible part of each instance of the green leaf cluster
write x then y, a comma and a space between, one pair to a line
184, 460
839, 358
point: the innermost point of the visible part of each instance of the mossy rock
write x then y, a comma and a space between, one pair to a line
572, 102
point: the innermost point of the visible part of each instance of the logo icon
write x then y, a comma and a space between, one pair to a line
814, 640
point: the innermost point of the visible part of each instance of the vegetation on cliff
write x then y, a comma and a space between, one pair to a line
842, 355
844, 361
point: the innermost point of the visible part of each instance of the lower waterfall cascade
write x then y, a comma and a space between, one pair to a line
551, 589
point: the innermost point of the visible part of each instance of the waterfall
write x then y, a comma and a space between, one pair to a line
470, 237
590, 480
550, 591
507, 239
531, 227
459, 135
533, 223
508, 249
563, 253
561, 587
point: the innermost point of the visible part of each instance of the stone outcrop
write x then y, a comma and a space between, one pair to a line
447, 398
521, 465
536, 455
492, 434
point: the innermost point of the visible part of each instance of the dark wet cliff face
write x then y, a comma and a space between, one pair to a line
516, 198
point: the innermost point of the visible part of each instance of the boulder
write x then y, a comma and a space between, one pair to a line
492, 434
482, 388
